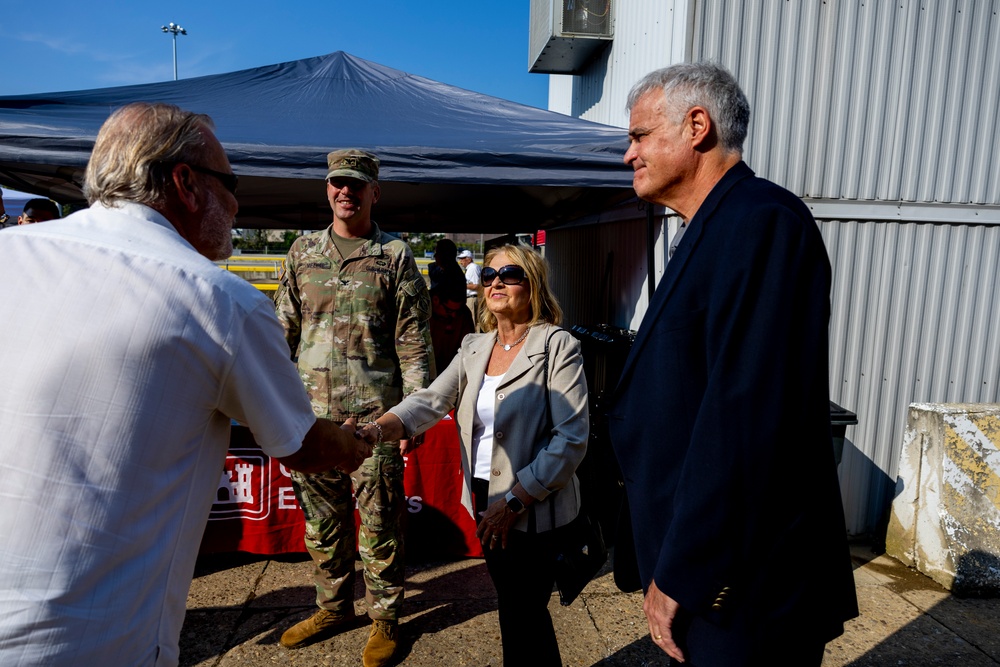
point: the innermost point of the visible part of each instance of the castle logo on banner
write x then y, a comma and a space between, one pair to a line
243, 487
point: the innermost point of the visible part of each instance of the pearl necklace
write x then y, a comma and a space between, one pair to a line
515, 343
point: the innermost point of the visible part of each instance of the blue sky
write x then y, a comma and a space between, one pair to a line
61, 45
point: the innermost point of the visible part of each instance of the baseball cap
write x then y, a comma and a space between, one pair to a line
465, 254
353, 163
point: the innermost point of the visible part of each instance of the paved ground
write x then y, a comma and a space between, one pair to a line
239, 605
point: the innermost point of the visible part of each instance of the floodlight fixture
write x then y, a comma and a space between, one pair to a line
174, 29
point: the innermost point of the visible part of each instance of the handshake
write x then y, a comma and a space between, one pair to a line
388, 428
329, 445
357, 449
344, 446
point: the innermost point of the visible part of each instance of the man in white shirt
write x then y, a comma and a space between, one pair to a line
130, 354
472, 286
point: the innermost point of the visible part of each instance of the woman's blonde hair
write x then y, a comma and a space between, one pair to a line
544, 305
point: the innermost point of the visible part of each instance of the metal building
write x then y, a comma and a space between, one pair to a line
883, 117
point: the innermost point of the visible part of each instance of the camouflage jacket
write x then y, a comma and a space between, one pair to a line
359, 326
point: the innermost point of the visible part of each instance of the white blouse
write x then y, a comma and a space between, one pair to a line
482, 432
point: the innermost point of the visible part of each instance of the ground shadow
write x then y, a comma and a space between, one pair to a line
445, 601
212, 563
432, 604
950, 629
642, 652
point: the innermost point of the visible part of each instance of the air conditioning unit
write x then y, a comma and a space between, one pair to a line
564, 35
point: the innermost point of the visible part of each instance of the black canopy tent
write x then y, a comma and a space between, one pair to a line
452, 160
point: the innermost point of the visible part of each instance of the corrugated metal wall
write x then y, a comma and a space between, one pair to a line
882, 102
599, 272
648, 35
915, 318
916, 308
878, 103
887, 101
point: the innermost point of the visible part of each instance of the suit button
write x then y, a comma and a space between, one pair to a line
501, 396
496, 473
499, 435
716, 607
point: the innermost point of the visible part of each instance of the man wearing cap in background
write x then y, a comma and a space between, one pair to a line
38, 210
35, 210
472, 286
356, 315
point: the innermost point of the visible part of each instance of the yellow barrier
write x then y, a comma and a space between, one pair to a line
237, 267
255, 258
267, 267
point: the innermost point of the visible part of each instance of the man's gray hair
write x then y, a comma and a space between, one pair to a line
136, 150
704, 84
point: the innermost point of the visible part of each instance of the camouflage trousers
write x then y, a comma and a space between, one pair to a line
332, 537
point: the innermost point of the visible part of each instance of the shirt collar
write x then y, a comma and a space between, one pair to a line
140, 211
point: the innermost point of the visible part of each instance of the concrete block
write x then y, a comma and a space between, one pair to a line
945, 518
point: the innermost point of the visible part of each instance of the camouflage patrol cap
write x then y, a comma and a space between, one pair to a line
353, 163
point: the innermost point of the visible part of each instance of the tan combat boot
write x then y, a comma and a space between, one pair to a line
382, 643
321, 625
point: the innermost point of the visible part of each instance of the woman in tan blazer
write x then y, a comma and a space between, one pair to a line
522, 440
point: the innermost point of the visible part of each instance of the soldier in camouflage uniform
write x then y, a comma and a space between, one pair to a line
356, 315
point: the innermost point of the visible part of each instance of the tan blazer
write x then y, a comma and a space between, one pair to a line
539, 448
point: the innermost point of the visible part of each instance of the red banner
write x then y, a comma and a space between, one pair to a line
256, 511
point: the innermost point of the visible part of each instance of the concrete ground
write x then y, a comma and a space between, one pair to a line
239, 605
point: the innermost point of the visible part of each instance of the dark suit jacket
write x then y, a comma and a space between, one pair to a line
721, 425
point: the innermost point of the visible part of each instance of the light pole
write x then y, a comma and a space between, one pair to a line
174, 29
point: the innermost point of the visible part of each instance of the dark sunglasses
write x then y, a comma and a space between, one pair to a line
509, 275
229, 181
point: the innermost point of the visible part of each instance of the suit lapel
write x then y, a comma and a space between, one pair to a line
477, 360
675, 267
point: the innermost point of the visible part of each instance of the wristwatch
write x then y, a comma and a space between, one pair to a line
514, 503
4, 218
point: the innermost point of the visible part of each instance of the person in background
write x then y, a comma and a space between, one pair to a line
451, 321
472, 286
356, 313
115, 411
4, 218
520, 400
445, 271
38, 210
721, 418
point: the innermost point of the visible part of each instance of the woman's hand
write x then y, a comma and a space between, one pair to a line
495, 526
409, 445
367, 432
388, 428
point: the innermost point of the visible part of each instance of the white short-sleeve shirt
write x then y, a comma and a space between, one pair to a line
472, 275
124, 355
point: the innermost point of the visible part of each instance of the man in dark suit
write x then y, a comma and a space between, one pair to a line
721, 420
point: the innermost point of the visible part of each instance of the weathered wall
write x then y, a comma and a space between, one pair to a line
945, 519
